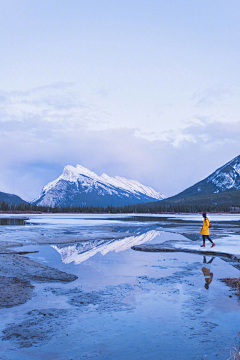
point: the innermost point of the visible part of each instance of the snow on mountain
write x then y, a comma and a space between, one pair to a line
80, 186
227, 177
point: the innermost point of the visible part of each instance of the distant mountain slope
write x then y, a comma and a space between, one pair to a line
223, 179
227, 198
219, 191
80, 186
222, 201
11, 199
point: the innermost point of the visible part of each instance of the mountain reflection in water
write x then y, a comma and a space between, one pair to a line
83, 251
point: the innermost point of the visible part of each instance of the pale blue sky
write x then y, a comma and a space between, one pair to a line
148, 90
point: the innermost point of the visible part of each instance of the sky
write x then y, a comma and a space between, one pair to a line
144, 89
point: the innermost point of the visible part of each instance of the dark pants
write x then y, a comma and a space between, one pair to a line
208, 262
206, 236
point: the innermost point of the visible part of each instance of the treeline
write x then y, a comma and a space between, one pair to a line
168, 207
4, 206
155, 207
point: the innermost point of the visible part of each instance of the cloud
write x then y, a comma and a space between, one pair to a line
214, 95
43, 110
215, 132
46, 128
35, 160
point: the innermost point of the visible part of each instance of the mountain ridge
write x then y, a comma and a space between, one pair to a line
225, 178
80, 186
11, 199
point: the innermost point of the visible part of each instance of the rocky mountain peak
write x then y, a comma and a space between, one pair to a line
80, 186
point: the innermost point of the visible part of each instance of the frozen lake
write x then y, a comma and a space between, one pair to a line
124, 304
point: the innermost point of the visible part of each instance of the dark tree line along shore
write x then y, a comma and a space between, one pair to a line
155, 207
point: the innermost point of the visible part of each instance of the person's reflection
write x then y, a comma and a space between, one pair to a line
209, 262
206, 272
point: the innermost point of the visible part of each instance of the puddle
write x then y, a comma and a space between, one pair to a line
13, 221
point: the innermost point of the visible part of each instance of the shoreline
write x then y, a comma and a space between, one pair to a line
120, 213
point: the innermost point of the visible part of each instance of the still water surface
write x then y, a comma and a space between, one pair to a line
126, 304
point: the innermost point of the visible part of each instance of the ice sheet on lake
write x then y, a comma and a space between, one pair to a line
227, 244
76, 220
82, 251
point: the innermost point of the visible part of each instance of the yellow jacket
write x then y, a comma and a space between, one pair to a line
205, 227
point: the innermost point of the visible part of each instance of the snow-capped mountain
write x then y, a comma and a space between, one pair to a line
80, 186
225, 178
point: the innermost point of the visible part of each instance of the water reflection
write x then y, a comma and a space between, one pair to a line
13, 221
207, 273
208, 262
80, 252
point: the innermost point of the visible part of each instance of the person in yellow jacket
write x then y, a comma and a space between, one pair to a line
205, 230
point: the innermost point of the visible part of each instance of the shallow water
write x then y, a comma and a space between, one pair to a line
125, 304
13, 221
